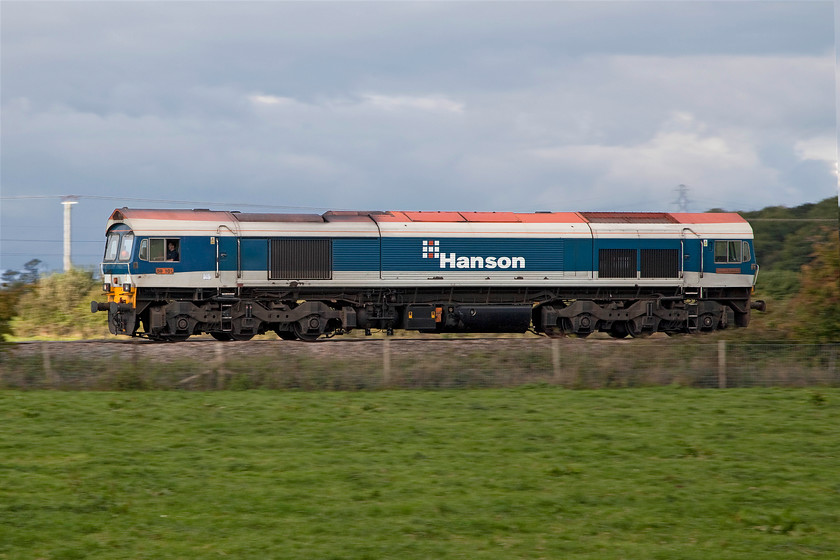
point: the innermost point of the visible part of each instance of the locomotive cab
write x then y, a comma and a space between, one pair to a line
117, 281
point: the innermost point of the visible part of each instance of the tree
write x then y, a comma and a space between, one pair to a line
30, 273
818, 302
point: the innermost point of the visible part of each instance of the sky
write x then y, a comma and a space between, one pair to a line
505, 106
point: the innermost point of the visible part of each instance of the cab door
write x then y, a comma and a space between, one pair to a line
228, 259
693, 250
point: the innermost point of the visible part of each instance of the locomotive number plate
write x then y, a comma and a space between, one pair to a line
164, 271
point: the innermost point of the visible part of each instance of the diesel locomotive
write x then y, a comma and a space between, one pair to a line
171, 274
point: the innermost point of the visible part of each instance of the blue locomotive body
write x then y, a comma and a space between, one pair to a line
170, 274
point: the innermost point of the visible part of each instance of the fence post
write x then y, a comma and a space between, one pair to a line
721, 364
219, 364
135, 371
555, 359
49, 375
386, 361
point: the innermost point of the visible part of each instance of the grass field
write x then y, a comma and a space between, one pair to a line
504, 473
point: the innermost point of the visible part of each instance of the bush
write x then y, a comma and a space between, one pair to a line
59, 306
8, 302
777, 284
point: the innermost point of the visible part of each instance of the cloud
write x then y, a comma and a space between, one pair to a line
378, 101
819, 148
264, 99
434, 104
682, 145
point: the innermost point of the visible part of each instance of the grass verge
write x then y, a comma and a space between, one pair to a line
533, 472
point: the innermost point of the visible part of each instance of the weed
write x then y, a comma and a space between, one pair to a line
817, 398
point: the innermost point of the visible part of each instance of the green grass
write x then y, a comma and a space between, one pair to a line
505, 473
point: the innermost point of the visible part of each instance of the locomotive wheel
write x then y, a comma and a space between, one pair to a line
554, 332
309, 328
305, 336
706, 323
586, 325
286, 335
560, 330
619, 330
635, 331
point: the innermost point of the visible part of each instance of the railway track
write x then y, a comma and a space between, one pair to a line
206, 349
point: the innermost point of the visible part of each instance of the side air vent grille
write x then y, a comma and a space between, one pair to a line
616, 263
660, 263
300, 259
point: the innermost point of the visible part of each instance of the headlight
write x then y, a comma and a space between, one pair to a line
106, 287
126, 287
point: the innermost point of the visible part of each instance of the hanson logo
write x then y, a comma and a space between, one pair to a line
431, 250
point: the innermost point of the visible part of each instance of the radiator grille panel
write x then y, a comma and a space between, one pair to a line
300, 259
616, 263
660, 263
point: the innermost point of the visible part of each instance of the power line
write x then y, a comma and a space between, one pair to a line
38, 253
792, 219
162, 200
51, 240
27, 197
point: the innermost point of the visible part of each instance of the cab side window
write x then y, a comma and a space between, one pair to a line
173, 252
156, 249
160, 249
731, 251
734, 252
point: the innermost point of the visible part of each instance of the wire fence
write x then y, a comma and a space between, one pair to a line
374, 364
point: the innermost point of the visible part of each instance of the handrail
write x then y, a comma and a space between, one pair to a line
238, 250
701, 249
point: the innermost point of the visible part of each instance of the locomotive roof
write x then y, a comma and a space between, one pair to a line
442, 217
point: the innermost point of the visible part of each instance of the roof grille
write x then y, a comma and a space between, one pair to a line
628, 218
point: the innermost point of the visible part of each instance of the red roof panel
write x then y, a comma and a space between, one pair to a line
435, 216
551, 218
495, 217
391, 216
